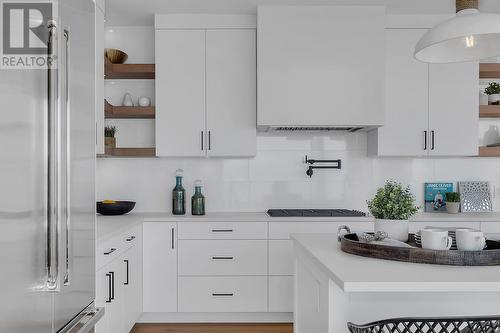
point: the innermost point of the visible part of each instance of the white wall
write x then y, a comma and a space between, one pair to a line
276, 176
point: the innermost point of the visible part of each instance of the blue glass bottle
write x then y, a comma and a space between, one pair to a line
178, 195
197, 200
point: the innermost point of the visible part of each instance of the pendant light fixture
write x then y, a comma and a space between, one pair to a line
469, 36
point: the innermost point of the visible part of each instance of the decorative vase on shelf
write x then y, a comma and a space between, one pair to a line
144, 101
392, 207
483, 99
493, 99
395, 229
493, 92
197, 200
127, 100
178, 195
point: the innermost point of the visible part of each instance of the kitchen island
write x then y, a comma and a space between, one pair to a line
333, 288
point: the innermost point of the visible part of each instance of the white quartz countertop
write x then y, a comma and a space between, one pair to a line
359, 274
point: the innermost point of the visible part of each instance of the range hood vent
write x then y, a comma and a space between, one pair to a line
313, 129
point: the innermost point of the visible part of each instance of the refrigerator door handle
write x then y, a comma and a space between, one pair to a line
52, 159
67, 249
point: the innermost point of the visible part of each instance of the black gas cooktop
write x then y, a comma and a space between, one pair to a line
314, 213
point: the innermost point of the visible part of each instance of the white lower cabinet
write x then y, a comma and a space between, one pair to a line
118, 285
159, 267
281, 293
223, 294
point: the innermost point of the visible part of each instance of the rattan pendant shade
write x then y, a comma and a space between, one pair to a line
470, 36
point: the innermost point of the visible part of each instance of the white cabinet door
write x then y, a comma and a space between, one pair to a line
453, 109
132, 285
102, 298
406, 96
180, 93
114, 310
328, 60
159, 267
231, 92
99, 79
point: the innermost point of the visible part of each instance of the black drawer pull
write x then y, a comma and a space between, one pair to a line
222, 230
108, 275
112, 285
222, 258
110, 251
126, 271
222, 294
131, 238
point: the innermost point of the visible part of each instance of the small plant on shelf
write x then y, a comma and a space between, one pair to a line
109, 131
493, 92
109, 139
392, 206
452, 202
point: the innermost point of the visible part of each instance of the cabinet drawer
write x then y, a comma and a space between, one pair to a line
281, 294
283, 230
281, 260
112, 248
225, 257
222, 230
223, 294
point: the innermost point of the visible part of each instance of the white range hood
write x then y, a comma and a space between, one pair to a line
320, 68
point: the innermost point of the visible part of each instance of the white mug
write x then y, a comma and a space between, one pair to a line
470, 240
435, 239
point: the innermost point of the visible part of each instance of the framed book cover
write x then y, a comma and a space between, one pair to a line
435, 196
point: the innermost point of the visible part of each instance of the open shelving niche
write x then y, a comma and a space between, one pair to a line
489, 71
123, 72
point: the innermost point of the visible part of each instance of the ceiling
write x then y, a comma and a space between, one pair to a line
141, 12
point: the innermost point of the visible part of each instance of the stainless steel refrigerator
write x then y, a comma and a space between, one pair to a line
47, 163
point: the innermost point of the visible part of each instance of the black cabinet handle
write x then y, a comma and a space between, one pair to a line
110, 251
108, 275
172, 238
222, 230
131, 238
222, 258
126, 272
209, 140
202, 148
432, 140
112, 285
222, 294
425, 140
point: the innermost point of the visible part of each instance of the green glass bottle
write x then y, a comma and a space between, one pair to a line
178, 195
197, 200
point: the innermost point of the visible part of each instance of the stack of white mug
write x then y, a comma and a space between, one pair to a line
466, 239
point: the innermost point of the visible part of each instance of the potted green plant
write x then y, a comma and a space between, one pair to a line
392, 206
109, 139
452, 202
493, 92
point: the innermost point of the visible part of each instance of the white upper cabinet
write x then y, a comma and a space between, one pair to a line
406, 96
454, 109
180, 92
205, 86
320, 66
431, 110
231, 92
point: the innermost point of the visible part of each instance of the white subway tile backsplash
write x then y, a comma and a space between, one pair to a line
276, 176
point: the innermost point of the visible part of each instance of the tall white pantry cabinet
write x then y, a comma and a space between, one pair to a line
205, 85
431, 110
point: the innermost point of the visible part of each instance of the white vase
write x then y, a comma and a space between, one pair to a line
453, 207
483, 99
144, 101
395, 229
493, 98
127, 100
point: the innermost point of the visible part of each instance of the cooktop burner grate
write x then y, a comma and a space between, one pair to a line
314, 213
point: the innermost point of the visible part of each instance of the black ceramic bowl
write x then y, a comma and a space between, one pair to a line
115, 208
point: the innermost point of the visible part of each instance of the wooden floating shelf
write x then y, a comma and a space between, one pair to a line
130, 152
489, 151
489, 111
128, 112
128, 71
489, 71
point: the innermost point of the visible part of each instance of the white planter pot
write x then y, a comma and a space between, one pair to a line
493, 98
396, 229
483, 99
453, 207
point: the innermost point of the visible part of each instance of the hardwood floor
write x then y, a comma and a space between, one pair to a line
212, 328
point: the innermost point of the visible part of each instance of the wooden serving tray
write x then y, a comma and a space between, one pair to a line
490, 256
